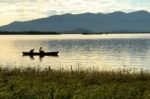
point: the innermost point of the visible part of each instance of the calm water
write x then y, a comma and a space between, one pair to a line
79, 51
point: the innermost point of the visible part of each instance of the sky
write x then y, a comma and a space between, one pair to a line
23, 10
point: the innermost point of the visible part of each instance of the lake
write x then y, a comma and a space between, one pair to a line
112, 51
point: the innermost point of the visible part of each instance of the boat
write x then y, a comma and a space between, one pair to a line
40, 54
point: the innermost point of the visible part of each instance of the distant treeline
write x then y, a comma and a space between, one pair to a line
58, 33
28, 33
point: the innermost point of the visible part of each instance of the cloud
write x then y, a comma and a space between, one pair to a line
13, 10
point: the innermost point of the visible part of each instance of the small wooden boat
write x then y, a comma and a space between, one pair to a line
40, 54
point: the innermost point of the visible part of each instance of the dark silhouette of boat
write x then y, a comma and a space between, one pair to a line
40, 54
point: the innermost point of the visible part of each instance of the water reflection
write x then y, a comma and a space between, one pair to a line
41, 56
32, 57
85, 52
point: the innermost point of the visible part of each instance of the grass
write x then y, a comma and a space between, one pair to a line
32, 83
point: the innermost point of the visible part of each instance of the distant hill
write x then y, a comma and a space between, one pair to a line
138, 21
78, 30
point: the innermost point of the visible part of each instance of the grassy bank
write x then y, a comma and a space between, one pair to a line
51, 84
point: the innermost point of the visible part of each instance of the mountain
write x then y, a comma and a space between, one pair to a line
138, 21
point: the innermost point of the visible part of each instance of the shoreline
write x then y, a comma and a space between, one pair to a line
59, 33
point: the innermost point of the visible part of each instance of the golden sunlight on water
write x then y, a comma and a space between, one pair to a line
110, 51
73, 36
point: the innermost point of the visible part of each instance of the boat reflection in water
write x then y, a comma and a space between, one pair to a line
41, 55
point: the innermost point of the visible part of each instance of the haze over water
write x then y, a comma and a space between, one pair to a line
110, 51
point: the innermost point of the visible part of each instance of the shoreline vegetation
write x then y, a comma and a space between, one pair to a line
31, 83
59, 33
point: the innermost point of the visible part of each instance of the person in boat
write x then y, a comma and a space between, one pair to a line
31, 51
41, 51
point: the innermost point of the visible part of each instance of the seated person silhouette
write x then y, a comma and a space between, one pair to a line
41, 51
31, 51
